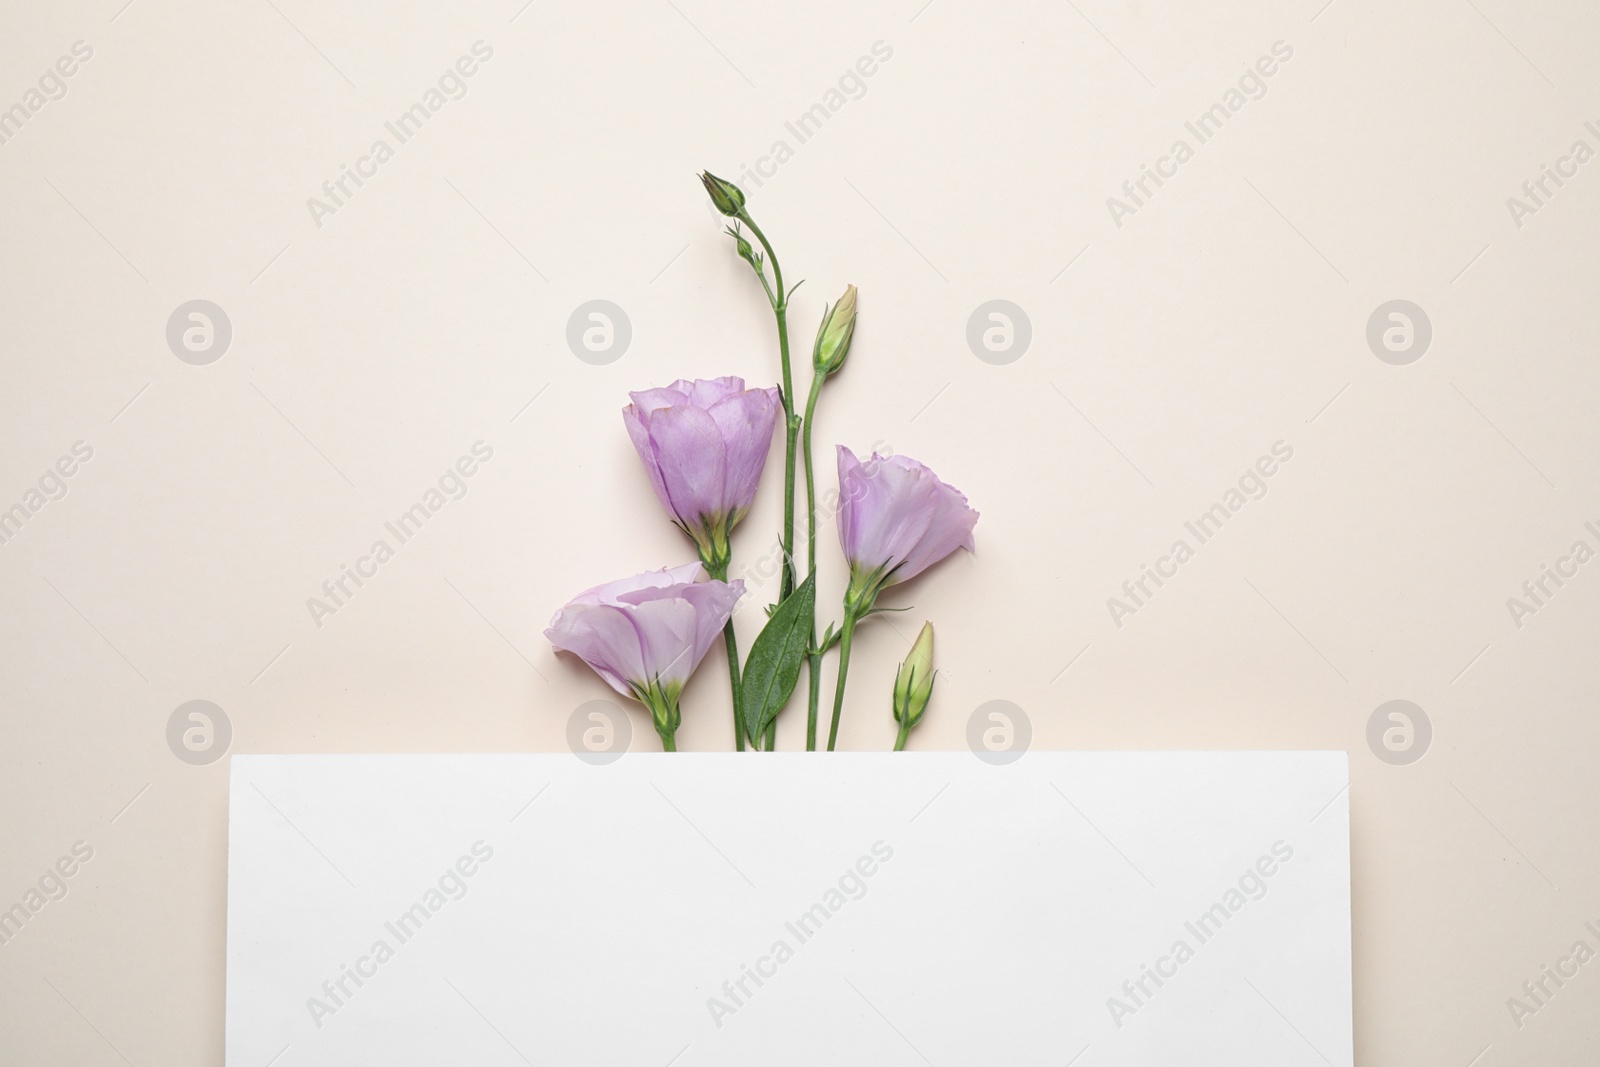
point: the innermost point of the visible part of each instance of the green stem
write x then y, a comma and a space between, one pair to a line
779, 298
900, 741
790, 429
736, 682
780, 310
730, 641
813, 690
814, 656
668, 743
846, 633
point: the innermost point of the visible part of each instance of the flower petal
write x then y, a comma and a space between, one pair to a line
666, 634
704, 392
603, 637
745, 421
652, 627
639, 433
895, 514
693, 460
713, 602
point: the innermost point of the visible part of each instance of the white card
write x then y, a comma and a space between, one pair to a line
702, 909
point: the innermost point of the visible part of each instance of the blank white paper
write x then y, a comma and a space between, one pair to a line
856, 908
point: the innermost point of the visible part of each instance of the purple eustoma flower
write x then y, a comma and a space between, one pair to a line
896, 519
645, 635
704, 444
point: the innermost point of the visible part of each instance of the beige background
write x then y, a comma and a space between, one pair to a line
1168, 354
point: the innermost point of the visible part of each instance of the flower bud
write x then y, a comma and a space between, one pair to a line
913, 685
744, 248
833, 336
726, 197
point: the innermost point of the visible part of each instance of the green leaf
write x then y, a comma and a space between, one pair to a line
773, 669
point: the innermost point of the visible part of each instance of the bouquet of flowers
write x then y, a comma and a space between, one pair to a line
704, 444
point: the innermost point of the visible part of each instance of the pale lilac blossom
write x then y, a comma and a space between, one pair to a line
896, 519
704, 444
645, 635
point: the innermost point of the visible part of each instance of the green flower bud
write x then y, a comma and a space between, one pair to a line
913, 685
833, 336
744, 248
725, 196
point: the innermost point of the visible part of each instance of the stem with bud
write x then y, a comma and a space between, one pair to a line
828, 355
900, 738
779, 299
